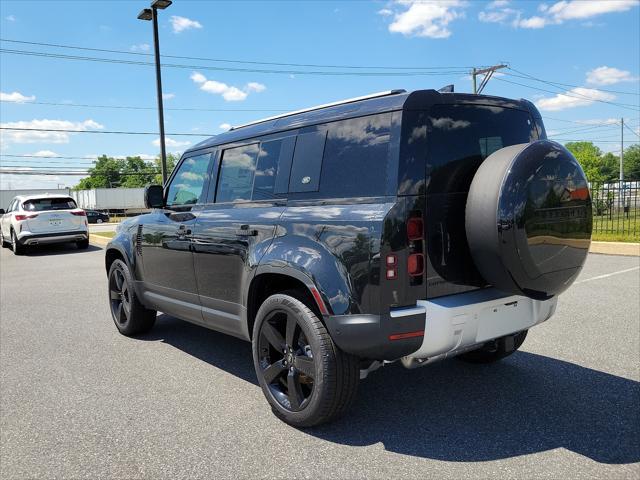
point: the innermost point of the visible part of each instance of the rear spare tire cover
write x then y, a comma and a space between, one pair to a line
528, 219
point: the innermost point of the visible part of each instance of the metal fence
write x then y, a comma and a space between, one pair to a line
616, 209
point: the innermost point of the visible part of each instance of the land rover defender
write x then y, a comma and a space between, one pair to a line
406, 227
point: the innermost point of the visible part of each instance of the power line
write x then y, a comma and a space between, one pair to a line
631, 130
134, 107
52, 156
549, 82
222, 60
62, 130
567, 94
231, 69
74, 172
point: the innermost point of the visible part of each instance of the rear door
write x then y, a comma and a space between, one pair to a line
234, 230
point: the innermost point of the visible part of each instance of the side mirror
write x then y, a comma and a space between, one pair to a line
2, 212
154, 196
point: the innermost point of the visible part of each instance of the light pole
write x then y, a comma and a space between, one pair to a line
152, 14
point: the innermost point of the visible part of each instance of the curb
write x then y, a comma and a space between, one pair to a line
616, 248
98, 240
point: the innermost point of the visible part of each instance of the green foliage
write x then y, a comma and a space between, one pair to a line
130, 172
601, 168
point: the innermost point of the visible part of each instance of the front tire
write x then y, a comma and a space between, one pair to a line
129, 315
496, 350
305, 377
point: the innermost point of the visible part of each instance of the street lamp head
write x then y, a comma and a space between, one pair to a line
145, 14
160, 4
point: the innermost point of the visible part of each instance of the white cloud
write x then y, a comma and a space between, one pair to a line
228, 92
171, 143
608, 76
140, 47
532, 22
558, 13
39, 136
45, 153
255, 87
579, 9
181, 24
576, 97
385, 12
11, 18
16, 97
224, 126
425, 18
168, 96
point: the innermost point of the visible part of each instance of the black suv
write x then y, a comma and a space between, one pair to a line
400, 226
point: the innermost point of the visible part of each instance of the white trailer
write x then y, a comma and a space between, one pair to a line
129, 200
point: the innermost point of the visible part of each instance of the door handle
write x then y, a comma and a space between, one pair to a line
246, 231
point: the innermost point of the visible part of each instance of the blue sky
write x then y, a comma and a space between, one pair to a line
590, 46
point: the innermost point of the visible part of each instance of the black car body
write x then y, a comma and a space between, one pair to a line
93, 216
360, 206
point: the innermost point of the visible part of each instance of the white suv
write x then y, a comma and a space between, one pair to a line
43, 219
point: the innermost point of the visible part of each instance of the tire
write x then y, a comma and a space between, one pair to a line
323, 379
83, 244
99, 220
494, 351
16, 246
129, 315
5, 243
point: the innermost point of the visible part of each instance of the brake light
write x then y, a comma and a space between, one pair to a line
400, 336
415, 264
415, 227
26, 217
79, 213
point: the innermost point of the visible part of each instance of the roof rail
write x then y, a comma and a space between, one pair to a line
318, 107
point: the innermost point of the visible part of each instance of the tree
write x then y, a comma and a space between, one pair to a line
590, 158
631, 162
610, 167
109, 172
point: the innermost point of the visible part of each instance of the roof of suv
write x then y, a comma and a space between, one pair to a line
387, 102
24, 198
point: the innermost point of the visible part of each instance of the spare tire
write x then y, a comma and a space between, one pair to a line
528, 219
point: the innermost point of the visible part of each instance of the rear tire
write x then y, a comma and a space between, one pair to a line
304, 376
129, 315
99, 220
83, 244
495, 351
17, 247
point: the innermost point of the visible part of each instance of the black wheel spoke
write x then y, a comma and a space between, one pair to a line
119, 313
119, 280
294, 391
292, 326
305, 365
273, 371
273, 336
114, 295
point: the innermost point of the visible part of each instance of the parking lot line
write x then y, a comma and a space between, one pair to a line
607, 275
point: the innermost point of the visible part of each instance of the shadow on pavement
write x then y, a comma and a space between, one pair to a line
57, 249
458, 412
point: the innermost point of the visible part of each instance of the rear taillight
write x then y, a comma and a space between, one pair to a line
415, 264
79, 213
415, 229
26, 217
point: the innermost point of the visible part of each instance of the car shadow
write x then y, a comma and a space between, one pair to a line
454, 411
57, 249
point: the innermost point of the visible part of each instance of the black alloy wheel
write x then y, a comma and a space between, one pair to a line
129, 315
120, 295
286, 360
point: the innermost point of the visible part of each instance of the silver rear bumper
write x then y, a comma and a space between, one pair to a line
458, 323
55, 238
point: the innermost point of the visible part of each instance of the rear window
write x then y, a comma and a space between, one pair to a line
42, 204
461, 137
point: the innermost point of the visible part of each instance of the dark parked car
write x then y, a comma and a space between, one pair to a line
405, 227
97, 217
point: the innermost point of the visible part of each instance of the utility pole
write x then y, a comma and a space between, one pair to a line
621, 149
487, 72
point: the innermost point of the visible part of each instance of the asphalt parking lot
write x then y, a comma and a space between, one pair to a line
78, 400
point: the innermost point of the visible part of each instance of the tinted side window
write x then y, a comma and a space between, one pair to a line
307, 162
356, 157
272, 171
237, 173
188, 183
